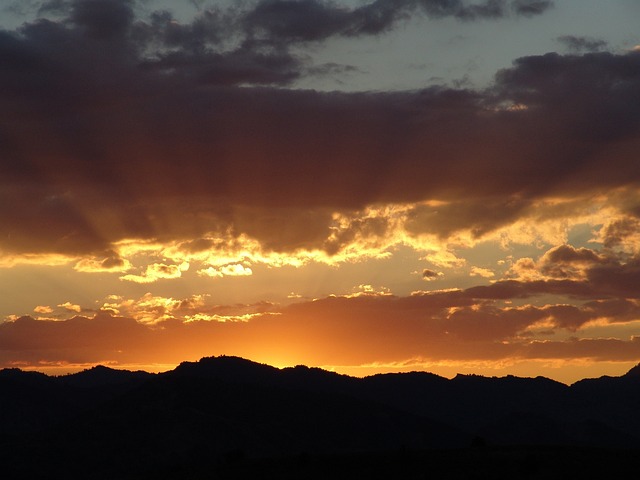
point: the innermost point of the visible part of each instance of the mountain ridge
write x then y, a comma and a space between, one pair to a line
231, 359
220, 405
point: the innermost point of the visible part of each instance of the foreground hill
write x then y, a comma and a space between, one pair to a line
220, 412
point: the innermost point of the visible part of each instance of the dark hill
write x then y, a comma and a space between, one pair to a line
227, 368
105, 423
101, 376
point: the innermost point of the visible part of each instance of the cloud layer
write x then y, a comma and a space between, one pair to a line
136, 122
476, 324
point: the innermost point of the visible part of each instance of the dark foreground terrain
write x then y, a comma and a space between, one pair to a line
491, 463
226, 417
455, 464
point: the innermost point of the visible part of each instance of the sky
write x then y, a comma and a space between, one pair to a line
364, 186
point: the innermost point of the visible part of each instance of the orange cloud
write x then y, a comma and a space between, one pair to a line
157, 271
365, 328
232, 270
71, 307
110, 262
481, 272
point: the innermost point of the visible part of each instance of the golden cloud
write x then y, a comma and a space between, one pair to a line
71, 307
482, 272
158, 271
373, 232
43, 309
45, 259
111, 262
232, 270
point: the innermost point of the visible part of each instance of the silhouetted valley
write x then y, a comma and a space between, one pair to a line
226, 417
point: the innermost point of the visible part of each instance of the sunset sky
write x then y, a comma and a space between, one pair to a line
365, 186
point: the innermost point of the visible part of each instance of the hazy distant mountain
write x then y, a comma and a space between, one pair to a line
220, 408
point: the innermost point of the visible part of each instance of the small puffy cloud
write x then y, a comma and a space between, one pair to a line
210, 272
231, 270
148, 309
215, 317
153, 310
44, 309
110, 262
482, 272
529, 8
71, 307
430, 275
157, 271
622, 233
558, 263
582, 44
566, 261
524, 269
236, 270
444, 258
369, 290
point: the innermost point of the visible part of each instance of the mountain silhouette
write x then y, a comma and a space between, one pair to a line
222, 413
101, 376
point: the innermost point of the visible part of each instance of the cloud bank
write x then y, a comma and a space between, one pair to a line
112, 118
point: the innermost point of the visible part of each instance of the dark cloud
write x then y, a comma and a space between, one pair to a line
566, 261
569, 254
617, 278
124, 129
54, 7
480, 216
578, 272
428, 274
487, 9
620, 309
103, 18
288, 228
297, 20
596, 86
209, 28
531, 7
486, 323
76, 340
20, 7
618, 231
242, 66
598, 349
331, 68
513, 289
197, 245
313, 20
59, 224
582, 44
113, 261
